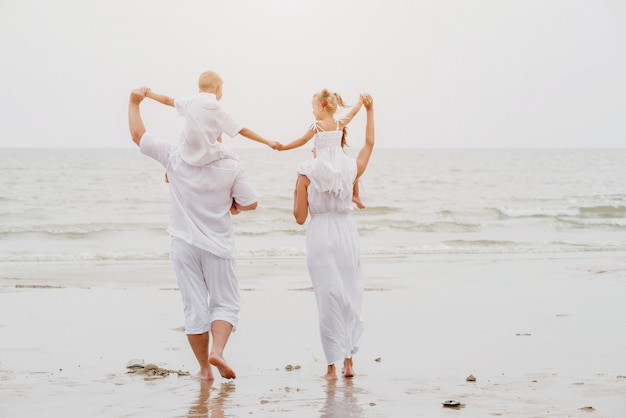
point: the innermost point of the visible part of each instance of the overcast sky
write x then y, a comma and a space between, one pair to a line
479, 73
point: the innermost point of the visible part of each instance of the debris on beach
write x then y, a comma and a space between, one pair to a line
451, 404
378, 359
289, 367
150, 370
587, 408
135, 363
470, 378
523, 335
37, 286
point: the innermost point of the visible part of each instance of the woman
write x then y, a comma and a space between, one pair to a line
324, 189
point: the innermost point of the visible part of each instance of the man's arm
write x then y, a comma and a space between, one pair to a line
166, 100
135, 123
244, 208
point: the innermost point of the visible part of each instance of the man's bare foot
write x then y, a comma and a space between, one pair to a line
204, 374
331, 373
347, 368
357, 201
225, 371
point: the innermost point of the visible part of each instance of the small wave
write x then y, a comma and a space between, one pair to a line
381, 210
492, 247
260, 231
273, 252
603, 212
77, 231
480, 243
89, 256
477, 213
539, 212
411, 226
589, 223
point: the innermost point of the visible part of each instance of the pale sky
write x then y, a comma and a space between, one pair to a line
443, 73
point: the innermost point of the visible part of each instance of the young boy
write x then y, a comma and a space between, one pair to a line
205, 120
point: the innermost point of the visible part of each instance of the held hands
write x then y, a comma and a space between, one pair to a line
274, 145
368, 101
137, 95
233, 208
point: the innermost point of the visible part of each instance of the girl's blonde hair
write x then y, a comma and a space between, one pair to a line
329, 101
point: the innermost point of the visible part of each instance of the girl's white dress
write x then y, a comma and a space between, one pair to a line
333, 250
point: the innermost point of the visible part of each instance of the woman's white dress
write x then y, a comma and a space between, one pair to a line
333, 250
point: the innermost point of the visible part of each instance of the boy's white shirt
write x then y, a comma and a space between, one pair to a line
205, 121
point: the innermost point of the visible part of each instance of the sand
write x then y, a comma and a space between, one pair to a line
543, 335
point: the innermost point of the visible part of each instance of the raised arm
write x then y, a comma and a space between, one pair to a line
364, 155
297, 142
135, 123
248, 133
352, 113
166, 100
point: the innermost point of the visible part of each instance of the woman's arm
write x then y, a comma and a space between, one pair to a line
300, 199
364, 155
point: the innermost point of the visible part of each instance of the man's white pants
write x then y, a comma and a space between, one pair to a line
208, 286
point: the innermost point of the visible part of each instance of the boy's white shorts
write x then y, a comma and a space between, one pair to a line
208, 286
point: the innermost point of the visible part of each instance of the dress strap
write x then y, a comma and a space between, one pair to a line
315, 127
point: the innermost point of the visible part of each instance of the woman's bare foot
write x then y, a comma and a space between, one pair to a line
347, 368
204, 374
225, 371
331, 373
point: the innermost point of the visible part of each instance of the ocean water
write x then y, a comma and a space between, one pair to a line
112, 204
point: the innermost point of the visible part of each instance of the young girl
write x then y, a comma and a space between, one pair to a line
324, 106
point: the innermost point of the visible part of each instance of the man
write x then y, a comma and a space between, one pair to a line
203, 243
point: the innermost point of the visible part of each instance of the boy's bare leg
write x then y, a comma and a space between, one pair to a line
200, 346
347, 368
221, 332
331, 373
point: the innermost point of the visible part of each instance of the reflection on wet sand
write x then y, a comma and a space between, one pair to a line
341, 401
206, 406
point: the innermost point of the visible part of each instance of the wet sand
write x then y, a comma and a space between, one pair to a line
542, 334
